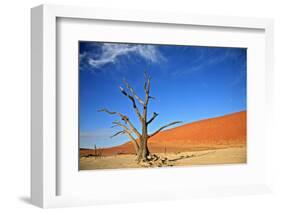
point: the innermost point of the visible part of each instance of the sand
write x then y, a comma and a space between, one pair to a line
233, 155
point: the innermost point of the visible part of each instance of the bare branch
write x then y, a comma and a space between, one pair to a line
124, 118
117, 123
133, 101
128, 133
133, 92
147, 89
147, 96
153, 117
134, 141
163, 127
118, 133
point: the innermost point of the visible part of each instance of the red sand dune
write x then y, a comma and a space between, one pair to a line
228, 130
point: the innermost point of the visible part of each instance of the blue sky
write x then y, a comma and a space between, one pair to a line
190, 83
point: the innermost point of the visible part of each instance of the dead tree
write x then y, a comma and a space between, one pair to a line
138, 139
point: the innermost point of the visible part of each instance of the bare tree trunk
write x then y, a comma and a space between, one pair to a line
143, 152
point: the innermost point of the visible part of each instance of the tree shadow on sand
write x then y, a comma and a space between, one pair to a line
190, 156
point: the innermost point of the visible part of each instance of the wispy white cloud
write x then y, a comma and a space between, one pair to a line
111, 53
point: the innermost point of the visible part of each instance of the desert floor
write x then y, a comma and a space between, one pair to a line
232, 155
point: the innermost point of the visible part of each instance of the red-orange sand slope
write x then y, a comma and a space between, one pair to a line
213, 133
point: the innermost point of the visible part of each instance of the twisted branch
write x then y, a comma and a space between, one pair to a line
163, 127
147, 88
133, 92
153, 117
133, 102
124, 118
128, 133
118, 133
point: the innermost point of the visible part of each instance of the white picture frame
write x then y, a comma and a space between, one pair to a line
45, 169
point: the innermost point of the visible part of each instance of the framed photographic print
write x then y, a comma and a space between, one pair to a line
200, 91
129, 102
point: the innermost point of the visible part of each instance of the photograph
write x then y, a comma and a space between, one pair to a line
161, 105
